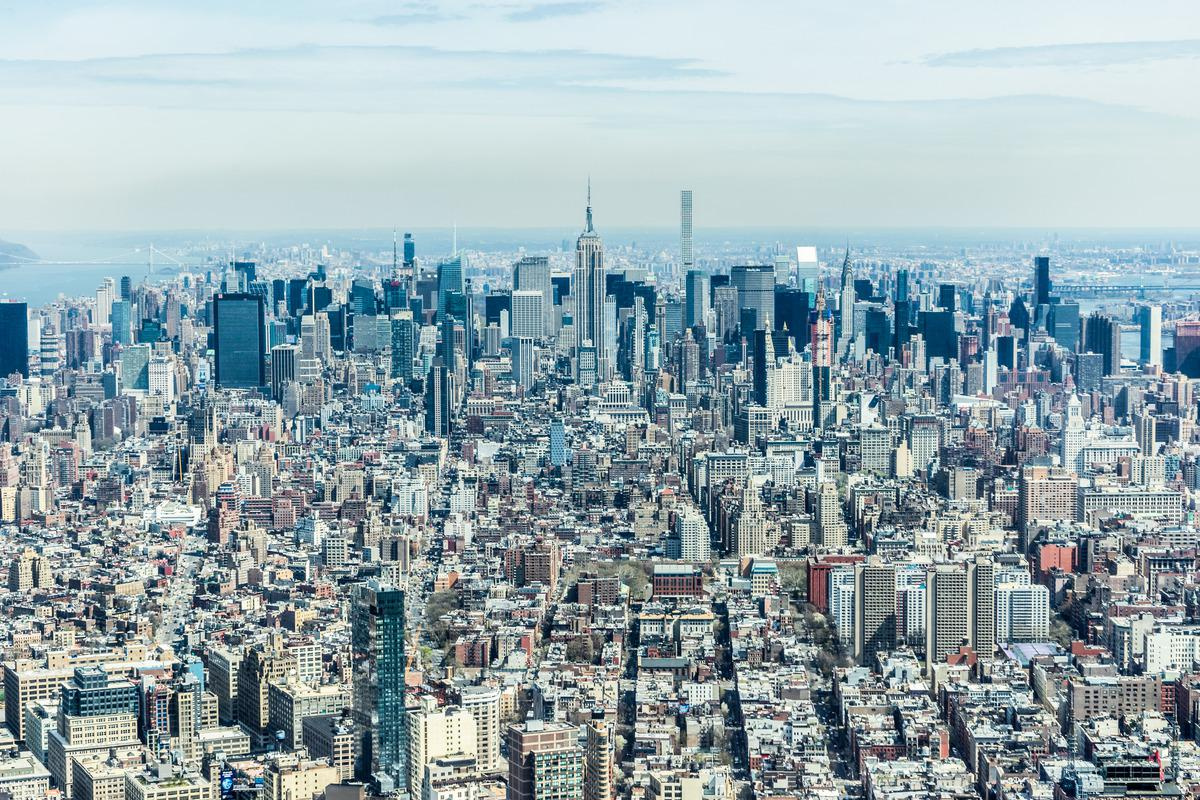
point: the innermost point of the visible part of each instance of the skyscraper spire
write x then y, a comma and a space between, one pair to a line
395, 253
589, 205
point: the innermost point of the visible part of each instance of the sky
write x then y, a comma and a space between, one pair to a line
256, 115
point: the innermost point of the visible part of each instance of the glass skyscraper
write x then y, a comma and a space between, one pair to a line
377, 636
14, 339
240, 339
122, 322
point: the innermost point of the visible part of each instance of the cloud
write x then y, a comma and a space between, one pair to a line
541, 11
1093, 54
414, 18
331, 76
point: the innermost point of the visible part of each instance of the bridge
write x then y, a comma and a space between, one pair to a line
1136, 289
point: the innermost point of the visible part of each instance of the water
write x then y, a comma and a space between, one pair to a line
38, 284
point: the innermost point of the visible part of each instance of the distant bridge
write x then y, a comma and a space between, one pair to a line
1138, 289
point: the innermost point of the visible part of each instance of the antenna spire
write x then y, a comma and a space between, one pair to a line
395, 253
454, 245
589, 204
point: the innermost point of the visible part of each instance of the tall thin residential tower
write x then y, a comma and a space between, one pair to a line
685, 230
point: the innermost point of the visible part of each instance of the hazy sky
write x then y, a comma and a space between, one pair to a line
293, 114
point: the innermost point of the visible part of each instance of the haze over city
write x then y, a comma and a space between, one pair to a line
141, 116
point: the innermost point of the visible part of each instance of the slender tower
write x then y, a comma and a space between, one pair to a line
588, 293
846, 306
685, 231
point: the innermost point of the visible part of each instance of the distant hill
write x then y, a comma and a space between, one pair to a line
13, 254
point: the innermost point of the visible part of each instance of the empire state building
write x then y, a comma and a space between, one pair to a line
588, 292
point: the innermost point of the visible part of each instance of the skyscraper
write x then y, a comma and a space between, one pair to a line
589, 290
1102, 334
14, 339
846, 306
756, 290
377, 633
1041, 280
240, 337
527, 317
686, 260
404, 336
532, 274
283, 367
449, 279
410, 251
122, 322
696, 298
1149, 320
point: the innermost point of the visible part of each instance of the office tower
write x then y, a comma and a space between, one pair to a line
316, 337
404, 344
1063, 324
362, 297
831, 525
1073, 435
160, 378
377, 634
283, 367
696, 298
877, 330
875, 610
792, 307
846, 306
1187, 347
483, 703
437, 400
903, 326
126, 288
135, 368
545, 761
122, 322
808, 269
527, 317
532, 274
588, 289
1149, 319
105, 295
1102, 334
686, 260
755, 285
410, 251
948, 297
14, 339
239, 333
939, 331
764, 362
449, 279
1041, 281
598, 783
522, 362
